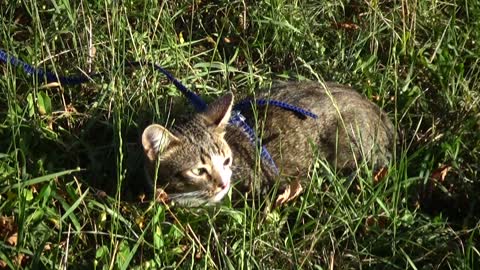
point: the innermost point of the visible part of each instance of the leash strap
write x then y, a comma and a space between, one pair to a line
238, 120
195, 99
272, 102
45, 75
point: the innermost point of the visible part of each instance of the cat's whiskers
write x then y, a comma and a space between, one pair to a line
192, 198
191, 194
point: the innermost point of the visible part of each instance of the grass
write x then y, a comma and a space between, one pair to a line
60, 146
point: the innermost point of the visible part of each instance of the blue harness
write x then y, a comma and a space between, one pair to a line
237, 119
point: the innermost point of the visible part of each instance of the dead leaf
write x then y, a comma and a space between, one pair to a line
198, 255
291, 192
184, 248
92, 51
440, 174
140, 221
347, 25
383, 221
142, 197
34, 189
161, 196
380, 175
380, 221
8, 230
70, 108
101, 194
211, 40
50, 85
370, 221
12, 239
7, 225
21, 259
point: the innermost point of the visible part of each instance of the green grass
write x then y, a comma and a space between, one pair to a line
60, 145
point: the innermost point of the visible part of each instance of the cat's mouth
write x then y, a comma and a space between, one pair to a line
200, 198
221, 192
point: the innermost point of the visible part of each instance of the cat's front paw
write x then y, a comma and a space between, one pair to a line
290, 191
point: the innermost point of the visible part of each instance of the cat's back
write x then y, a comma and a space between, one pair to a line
349, 128
313, 95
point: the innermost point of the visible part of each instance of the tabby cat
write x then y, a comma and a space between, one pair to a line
201, 157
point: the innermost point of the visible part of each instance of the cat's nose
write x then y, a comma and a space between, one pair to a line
221, 181
222, 185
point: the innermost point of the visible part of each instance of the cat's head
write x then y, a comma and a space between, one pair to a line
192, 161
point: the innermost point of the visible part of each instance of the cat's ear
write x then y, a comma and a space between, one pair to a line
218, 112
156, 140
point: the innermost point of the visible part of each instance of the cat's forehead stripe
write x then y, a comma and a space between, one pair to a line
209, 150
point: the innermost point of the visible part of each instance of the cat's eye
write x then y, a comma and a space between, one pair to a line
227, 161
199, 171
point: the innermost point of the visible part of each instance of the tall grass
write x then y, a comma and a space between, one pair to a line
62, 146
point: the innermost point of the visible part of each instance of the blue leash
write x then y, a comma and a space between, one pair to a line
236, 119
196, 100
49, 76
263, 102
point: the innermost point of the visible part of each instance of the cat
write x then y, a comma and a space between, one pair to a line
201, 157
